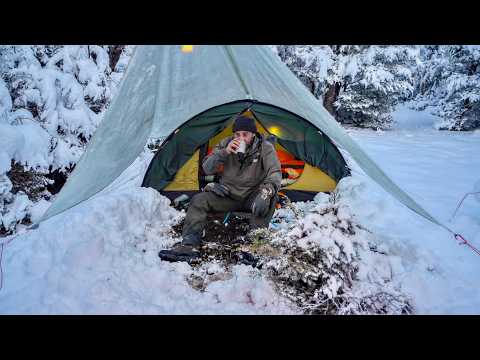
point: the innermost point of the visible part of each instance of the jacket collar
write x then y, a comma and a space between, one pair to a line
255, 144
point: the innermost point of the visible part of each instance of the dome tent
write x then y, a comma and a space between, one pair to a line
165, 87
307, 156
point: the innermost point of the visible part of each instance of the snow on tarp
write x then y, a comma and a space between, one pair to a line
164, 87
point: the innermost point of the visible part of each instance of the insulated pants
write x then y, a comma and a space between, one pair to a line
208, 202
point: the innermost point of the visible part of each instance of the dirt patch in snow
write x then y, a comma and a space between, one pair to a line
313, 257
226, 242
33, 184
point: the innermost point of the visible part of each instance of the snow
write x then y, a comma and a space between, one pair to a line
26, 143
437, 168
5, 102
371, 79
476, 190
62, 89
52, 99
100, 257
447, 81
409, 119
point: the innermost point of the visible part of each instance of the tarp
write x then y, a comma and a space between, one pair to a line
161, 89
164, 87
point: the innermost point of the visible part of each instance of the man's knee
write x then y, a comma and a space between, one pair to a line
200, 200
264, 221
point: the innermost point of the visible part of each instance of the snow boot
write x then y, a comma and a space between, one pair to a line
180, 252
187, 250
245, 258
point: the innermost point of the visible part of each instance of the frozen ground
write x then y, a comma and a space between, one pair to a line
100, 257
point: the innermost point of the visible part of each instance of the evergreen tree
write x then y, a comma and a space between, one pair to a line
358, 84
449, 85
52, 98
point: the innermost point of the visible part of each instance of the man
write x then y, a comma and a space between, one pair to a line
249, 181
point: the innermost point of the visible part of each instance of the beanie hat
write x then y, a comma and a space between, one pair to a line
243, 123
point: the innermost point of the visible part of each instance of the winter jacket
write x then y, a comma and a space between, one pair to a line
260, 166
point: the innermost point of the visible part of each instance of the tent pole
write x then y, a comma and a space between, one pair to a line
228, 49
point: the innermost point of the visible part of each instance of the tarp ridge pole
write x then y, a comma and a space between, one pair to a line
229, 51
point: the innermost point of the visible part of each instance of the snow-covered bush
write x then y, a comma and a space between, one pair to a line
358, 84
329, 264
52, 99
315, 255
448, 83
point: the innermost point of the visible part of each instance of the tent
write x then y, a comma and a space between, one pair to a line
311, 163
167, 90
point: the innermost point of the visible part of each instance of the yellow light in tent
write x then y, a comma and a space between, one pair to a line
275, 130
187, 48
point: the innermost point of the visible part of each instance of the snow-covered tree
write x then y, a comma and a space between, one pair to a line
52, 98
449, 85
358, 84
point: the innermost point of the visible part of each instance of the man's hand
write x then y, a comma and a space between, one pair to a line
217, 189
232, 146
261, 203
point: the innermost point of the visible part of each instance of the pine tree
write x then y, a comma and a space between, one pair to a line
449, 85
358, 84
52, 98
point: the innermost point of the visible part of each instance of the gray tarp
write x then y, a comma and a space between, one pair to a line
164, 87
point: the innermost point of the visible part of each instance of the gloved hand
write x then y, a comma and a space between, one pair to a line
218, 189
261, 203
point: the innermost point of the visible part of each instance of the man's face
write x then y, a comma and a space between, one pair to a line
246, 136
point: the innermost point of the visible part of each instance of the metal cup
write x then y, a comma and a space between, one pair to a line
241, 148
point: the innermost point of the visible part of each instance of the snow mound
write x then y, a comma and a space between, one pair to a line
329, 264
101, 258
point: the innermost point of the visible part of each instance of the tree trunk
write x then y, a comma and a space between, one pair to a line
330, 97
114, 52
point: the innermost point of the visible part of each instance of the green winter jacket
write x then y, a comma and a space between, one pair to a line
260, 166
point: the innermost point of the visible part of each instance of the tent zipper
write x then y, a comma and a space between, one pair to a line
237, 70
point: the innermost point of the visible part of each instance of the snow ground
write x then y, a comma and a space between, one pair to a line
436, 168
101, 256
